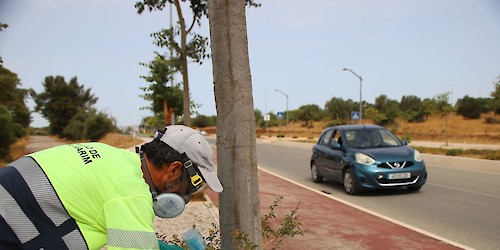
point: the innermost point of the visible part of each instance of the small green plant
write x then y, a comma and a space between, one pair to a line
290, 226
272, 237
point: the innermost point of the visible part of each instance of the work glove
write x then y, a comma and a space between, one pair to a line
165, 246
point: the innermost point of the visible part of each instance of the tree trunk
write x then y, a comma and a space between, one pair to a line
236, 148
165, 112
186, 105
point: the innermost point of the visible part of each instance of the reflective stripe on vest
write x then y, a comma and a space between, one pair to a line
31, 208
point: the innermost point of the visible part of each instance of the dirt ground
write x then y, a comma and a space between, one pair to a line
455, 128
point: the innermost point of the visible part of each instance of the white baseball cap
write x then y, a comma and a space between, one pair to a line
189, 141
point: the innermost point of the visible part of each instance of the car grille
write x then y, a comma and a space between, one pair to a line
396, 164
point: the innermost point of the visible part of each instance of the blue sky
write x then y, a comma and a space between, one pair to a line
399, 47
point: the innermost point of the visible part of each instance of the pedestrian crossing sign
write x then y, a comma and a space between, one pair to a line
354, 115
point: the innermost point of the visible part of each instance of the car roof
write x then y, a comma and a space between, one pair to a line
356, 127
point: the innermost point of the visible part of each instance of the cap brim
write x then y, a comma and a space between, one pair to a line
211, 179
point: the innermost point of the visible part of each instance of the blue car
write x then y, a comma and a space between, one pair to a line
366, 157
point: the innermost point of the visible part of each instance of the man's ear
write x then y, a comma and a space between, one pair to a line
175, 169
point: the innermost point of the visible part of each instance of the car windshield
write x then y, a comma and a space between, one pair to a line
371, 138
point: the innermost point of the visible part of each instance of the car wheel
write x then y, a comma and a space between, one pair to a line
350, 183
414, 188
314, 174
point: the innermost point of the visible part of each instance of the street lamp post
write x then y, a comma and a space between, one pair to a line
360, 94
286, 134
265, 110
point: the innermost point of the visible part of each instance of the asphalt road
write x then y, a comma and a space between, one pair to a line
40, 142
460, 201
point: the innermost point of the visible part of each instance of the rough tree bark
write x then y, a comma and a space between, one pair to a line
236, 147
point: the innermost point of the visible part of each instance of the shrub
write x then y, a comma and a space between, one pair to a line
491, 120
75, 130
6, 131
455, 152
97, 126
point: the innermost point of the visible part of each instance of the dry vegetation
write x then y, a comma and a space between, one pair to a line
114, 139
121, 140
460, 130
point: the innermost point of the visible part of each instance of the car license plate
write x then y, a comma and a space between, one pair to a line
397, 176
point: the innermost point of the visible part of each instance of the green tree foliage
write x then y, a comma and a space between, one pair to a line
309, 113
14, 97
176, 39
97, 126
471, 108
259, 118
60, 101
202, 121
442, 103
412, 108
75, 130
429, 106
339, 110
151, 123
162, 97
14, 114
388, 107
372, 113
89, 125
494, 105
2, 27
6, 131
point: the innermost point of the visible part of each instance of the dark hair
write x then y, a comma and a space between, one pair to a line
160, 153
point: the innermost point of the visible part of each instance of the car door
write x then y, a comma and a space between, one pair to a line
335, 157
321, 151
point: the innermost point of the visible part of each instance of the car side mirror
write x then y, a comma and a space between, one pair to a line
405, 142
336, 146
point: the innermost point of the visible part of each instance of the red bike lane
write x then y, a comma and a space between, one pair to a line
331, 224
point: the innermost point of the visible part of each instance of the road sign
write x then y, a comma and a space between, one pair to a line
354, 115
279, 115
267, 117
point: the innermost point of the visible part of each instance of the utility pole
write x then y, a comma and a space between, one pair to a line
360, 94
286, 133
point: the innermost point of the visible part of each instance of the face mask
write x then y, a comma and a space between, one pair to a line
168, 205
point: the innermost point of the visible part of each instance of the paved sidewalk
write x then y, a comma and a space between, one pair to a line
331, 224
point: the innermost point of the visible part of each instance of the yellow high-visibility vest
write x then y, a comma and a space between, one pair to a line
103, 189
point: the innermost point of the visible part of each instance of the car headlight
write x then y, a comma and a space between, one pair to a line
364, 159
417, 156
